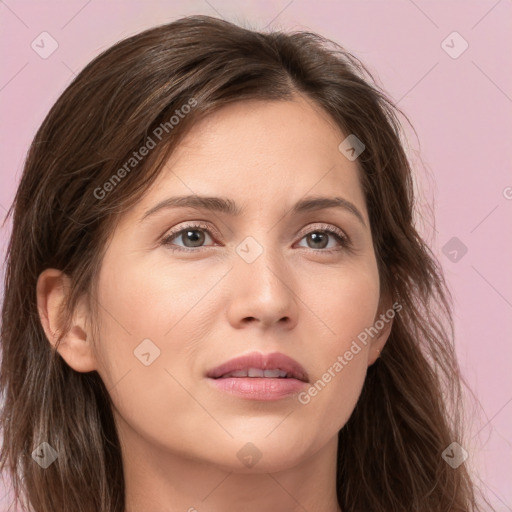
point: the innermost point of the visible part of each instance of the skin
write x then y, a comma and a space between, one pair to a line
180, 437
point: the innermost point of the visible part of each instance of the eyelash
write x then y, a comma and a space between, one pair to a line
343, 239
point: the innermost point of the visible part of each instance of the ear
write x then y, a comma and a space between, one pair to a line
383, 322
76, 349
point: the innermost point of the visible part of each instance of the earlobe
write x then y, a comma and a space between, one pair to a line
75, 348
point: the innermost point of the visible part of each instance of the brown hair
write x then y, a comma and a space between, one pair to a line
389, 455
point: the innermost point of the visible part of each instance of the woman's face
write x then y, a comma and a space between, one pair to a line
267, 280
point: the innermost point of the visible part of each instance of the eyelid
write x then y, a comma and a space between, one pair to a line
320, 226
191, 225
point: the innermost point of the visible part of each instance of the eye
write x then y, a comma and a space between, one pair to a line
319, 238
193, 236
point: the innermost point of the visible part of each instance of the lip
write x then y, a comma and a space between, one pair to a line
260, 388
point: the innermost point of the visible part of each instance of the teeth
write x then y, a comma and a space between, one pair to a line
256, 372
274, 373
239, 373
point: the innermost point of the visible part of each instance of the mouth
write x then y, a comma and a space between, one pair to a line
259, 373
257, 365
258, 376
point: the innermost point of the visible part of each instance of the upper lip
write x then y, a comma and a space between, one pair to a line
274, 361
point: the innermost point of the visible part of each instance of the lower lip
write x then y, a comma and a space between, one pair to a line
259, 388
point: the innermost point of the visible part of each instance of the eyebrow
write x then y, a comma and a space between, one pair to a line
229, 207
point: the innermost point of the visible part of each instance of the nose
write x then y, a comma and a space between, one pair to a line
263, 292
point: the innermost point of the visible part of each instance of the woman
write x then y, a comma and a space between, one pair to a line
216, 298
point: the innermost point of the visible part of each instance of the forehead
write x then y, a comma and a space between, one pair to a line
260, 153
259, 131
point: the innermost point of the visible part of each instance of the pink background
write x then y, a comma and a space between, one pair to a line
461, 108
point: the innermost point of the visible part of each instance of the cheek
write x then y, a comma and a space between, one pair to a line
158, 302
150, 324
348, 304
345, 300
